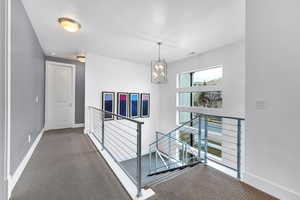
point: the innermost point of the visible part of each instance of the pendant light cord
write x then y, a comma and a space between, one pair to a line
159, 43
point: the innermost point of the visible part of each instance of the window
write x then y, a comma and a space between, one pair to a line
211, 76
185, 80
201, 89
214, 127
184, 117
185, 99
209, 99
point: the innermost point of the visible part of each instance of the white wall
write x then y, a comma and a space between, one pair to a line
107, 74
231, 57
272, 78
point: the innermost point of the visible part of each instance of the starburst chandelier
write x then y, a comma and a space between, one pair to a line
159, 69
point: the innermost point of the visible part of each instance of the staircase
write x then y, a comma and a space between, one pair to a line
170, 152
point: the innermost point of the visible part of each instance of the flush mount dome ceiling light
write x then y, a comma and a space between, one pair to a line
159, 69
81, 58
69, 24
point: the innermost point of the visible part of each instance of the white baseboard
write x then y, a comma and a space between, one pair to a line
86, 131
270, 187
12, 180
123, 178
78, 125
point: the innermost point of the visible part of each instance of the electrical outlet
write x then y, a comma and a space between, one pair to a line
29, 138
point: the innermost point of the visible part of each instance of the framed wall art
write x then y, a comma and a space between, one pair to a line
123, 105
134, 105
108, 104
145, 105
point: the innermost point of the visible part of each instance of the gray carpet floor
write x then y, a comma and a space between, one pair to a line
66, 166
205, 183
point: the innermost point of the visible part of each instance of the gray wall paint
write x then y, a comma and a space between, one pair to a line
79, 88
2, 99
28, 78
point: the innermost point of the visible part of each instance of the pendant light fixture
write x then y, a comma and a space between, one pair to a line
159, 69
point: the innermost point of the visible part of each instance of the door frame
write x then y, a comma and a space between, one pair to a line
73, 67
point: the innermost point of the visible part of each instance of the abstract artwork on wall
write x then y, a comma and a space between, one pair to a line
123, 104
134, 105
108, 104
145, 105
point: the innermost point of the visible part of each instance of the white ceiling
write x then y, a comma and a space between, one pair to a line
129, 29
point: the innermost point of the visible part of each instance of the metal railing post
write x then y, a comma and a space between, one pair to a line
150, 159
182, 147
186, 154
199, 138
205, 137
90, 119
156, 145
102, 119
156, 149
93, 121
155, 163
182, 154
239, 149
139, 160
169, 150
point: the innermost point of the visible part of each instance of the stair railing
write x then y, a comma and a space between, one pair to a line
205, 128
170, 146
121, 137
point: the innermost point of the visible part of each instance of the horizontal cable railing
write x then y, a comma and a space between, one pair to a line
211, 137
223, 135
175, 150
121, 138
202, 139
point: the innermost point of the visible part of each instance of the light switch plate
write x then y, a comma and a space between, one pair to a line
260, 104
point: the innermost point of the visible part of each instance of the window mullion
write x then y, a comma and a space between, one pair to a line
191, 104
191, 95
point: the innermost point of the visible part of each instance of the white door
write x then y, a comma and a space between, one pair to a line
60, 89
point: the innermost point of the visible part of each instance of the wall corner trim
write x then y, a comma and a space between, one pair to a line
270, 187
86, 131
12, 181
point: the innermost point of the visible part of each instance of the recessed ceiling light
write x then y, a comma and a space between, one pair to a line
69, 24
81, 58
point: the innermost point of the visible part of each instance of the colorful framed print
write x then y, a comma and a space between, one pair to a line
108, 104
145, 105
134, 105
122, 104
